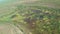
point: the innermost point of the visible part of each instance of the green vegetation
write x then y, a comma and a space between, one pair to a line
39, 20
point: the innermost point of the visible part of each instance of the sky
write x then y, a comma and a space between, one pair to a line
7, 6
6, 2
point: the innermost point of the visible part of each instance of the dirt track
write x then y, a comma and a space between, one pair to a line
7, 8
9, 29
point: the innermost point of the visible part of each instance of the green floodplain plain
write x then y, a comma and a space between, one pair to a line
34, 17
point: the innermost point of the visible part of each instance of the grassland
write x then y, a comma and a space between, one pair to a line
37, 17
